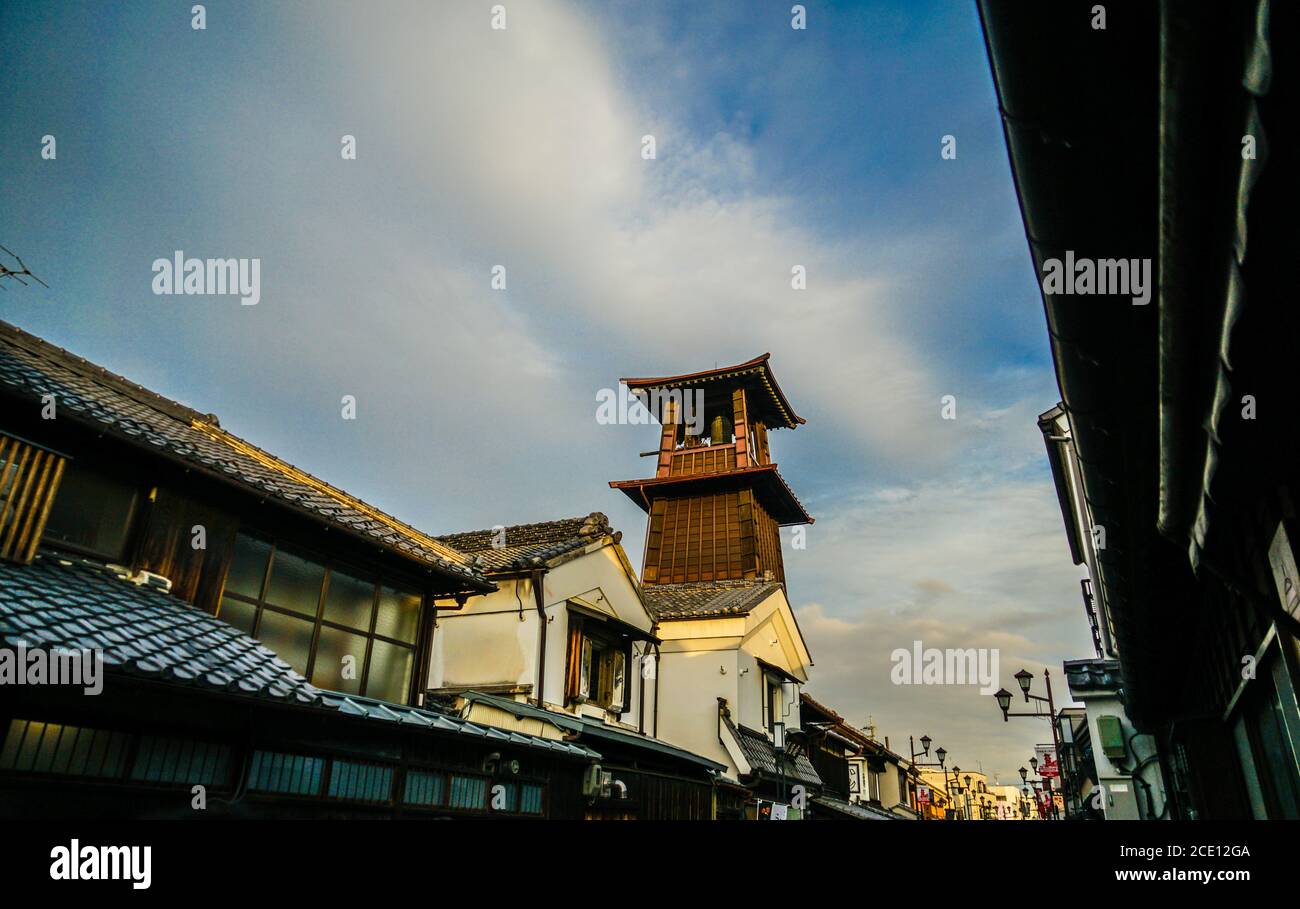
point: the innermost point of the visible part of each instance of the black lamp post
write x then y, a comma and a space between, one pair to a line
956, 788
1024, 679
941, 753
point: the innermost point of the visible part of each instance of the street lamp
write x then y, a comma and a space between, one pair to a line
1004, 701
940, 752
1023, 773
1024, 677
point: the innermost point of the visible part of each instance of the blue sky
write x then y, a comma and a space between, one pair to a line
521, 148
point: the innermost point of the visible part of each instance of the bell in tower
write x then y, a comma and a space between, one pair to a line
716, 505
719, 430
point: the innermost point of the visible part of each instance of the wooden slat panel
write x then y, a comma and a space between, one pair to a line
17, 497
31, 513
50, 492
29, 480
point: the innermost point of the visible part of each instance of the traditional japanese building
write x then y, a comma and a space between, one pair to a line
1162, 149
840, 753
238, 637
565, 648
732, 656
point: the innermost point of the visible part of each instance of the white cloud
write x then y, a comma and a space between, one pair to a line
977, 559
522, 148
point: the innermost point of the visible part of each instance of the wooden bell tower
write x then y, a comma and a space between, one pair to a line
716, 502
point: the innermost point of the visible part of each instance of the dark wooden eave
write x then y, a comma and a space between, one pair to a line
771, 406
777, 497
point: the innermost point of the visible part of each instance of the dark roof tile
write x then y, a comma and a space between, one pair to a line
706, 599
762, 757
524, 546
142, 616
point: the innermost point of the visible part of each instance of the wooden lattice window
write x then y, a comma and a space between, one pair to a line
29, 479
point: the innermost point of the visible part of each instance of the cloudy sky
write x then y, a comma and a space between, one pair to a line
522, 148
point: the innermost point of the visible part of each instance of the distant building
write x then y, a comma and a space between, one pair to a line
968, 794
841, 754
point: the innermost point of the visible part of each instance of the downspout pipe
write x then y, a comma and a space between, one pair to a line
539, 597
655, 717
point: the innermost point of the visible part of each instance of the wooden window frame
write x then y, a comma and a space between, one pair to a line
586, 635
317, 618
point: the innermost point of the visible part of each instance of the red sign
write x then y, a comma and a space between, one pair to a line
1048, 766
923, 795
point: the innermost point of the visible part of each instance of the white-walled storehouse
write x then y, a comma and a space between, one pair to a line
566, 648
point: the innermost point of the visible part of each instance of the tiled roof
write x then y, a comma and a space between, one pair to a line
587, 726
777, 496
1093, 675
773, 403
118, 407
705, 599
145, 633
528, 545
821, 708
761, 754
849, 810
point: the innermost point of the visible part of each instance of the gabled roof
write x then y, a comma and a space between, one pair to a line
706, 599
767, 403
110, 404
147, 634
523, 546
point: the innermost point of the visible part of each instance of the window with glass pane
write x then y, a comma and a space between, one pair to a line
468, 792
399, 614
343, 630
288, 636
91, 513
340, 661
390, 671
350, 601
248, 565
238, 613
295, 583
531, 802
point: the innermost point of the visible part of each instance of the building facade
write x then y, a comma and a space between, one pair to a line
732, 657
566, 647
1163, 156
244, 640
